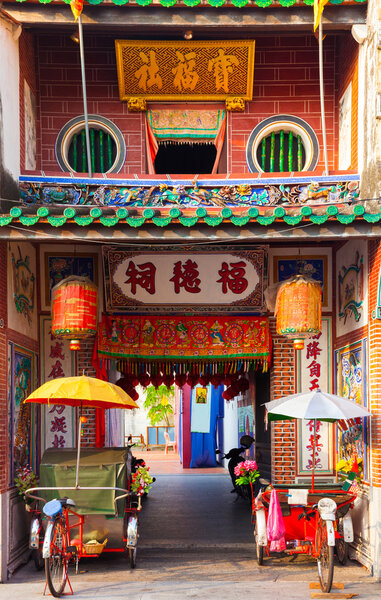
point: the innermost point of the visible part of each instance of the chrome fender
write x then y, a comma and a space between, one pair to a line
34, 534
330, 533
47, 540
261, 527
348, 528
132, 532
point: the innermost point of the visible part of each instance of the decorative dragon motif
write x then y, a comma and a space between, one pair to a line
162, 195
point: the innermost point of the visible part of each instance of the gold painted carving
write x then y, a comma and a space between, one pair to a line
185, 70
137, 104
235, 104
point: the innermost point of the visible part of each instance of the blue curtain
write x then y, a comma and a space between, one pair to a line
204, 444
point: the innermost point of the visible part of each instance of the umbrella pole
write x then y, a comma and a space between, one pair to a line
313, 459
78, 448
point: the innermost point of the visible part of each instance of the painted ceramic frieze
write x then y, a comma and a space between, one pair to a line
162, 194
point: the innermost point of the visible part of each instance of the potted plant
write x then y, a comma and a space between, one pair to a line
25, 479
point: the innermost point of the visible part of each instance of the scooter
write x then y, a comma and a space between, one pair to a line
234, 457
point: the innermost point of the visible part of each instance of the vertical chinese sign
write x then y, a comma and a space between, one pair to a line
314, 372
57, 361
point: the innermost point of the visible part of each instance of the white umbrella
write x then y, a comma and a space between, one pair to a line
316, 406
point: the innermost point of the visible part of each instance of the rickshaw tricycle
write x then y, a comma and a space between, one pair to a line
310, 518
71, 522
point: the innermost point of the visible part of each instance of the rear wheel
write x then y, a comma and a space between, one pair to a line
260, 549
325, 557
341, 544
56, 564
132, 557
37, 558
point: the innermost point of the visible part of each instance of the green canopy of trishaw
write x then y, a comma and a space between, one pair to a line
99, 467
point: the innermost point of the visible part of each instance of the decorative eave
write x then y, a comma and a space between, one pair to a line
194, 3
163, 202
231, 20
188, 217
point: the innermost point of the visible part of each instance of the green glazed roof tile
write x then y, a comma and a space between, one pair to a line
109, 221
162, 221
213, 221
56, 221
83, 221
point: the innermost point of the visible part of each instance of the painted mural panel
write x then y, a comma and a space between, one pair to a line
56, 264
351, 383
30, 127
315, 263
351, 287
22, 310
57, 361
345, 129
313, 371
22, 377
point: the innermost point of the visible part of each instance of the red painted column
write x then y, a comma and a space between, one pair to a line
187, 444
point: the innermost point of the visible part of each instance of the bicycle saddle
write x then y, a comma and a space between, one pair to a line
54, 507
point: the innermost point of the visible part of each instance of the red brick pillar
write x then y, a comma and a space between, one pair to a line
4, 444
374, 383
283, 382
85, 367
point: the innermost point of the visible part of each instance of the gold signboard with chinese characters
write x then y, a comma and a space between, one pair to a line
196, 70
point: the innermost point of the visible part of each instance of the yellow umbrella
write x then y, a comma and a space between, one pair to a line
82, 391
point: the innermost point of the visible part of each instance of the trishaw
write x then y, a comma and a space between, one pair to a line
100, 515
310, 523
315, 519
85, 499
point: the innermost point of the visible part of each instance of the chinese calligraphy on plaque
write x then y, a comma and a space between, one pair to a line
314, 374
184, 70
57, 362
202, 281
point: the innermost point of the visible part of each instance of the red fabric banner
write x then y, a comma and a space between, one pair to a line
185, 339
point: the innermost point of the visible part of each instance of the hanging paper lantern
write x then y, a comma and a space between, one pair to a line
298, 309
74, 309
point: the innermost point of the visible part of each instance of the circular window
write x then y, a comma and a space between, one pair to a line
282, 143
107, 147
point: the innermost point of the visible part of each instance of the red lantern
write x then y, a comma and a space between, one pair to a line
298, 309
74, 309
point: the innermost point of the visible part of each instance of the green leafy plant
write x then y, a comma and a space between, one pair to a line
25, 479
159, 403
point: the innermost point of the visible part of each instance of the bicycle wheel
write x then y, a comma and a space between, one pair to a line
341, 544
37, 558
260, 549
325, 558
132, 557
56, 564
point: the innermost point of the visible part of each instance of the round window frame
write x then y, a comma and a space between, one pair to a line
72, 127
295, 124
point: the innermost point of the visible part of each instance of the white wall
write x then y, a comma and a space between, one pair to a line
230, 427
9, 96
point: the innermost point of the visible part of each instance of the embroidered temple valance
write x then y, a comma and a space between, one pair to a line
183, 343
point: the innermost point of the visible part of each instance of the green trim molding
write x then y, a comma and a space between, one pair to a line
213, 3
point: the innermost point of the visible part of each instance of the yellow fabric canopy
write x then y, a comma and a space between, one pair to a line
82, 391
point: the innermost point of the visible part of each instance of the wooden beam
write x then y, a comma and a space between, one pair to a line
236, 21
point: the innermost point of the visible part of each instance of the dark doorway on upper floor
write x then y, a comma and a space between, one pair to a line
185, 158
